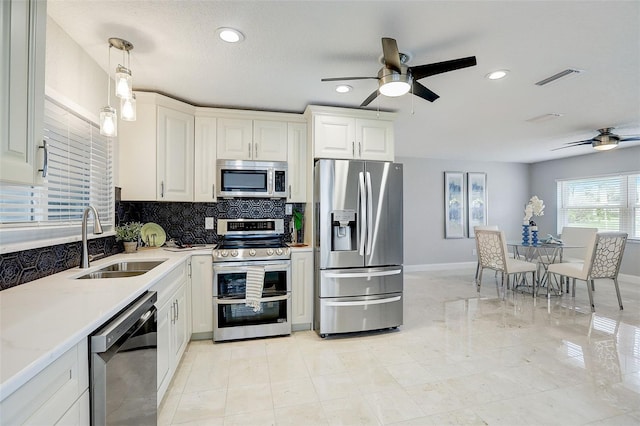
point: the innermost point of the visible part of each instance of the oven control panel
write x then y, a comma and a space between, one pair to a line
225, 255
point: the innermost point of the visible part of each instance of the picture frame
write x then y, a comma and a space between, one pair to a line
476, 201
454, 205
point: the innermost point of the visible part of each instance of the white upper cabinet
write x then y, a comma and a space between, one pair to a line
175, 155
246, 139
205, 159
157, 151
22, 36
351, 134
298, 166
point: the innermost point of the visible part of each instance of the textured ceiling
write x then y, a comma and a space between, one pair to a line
291, 45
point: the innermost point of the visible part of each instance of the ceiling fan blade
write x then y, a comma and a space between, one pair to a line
391, 54
630, 138
348, 78
572, 144
423, 92
370, 98
422, 71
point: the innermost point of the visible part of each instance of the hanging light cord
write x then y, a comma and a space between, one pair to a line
109, 78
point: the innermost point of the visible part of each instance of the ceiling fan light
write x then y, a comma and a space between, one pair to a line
395, 84
604, 143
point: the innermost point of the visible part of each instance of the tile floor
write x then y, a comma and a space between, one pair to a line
460, 358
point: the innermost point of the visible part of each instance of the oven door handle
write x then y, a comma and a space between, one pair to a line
242, 301
242, 269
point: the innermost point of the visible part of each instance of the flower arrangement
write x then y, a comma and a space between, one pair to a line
535, 207
128, 231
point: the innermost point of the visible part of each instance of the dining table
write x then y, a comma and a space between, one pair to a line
543, 254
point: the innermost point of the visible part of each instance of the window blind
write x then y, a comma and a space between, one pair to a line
609, 203
80, 164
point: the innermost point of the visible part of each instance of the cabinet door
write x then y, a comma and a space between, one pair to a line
234, 141
297, 166
137, 154
205, 159
175, 155
165, 323
302, 289
334, 137
202, 294
374, 140
269, 140
180, 335
22, 36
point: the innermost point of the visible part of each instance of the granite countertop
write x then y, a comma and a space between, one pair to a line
42, 319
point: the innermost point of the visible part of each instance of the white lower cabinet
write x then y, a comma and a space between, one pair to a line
173, 324
302, 290
59, 394
202, 300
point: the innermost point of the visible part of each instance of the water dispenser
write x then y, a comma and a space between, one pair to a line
344, 230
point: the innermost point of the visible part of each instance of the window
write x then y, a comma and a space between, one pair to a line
80, 168
609, 203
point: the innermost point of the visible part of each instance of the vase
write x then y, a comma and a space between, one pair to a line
525, 234
534, 235
130, 246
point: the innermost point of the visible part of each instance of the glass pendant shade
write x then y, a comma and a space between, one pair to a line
128, 108
124, 84
108, 121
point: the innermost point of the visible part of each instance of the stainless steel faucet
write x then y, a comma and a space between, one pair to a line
97, 229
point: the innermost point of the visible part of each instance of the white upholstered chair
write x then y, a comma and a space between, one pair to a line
482, 228
576, 236
492, 254
602, 260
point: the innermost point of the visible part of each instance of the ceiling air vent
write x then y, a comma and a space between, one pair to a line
556, 77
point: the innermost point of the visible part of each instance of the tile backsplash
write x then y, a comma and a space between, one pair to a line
182, 221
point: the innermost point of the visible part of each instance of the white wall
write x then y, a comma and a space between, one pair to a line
424, 242
543, 184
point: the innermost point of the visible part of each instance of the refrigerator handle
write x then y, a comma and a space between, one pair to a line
362, 274
363, 214
369, 215
365, 302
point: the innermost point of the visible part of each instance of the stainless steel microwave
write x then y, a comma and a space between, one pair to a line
261, 179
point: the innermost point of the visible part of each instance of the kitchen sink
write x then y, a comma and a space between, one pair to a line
122, 269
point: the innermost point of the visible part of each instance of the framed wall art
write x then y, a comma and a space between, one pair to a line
454, 201
476, 201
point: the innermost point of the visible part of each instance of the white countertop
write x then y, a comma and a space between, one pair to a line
42, 319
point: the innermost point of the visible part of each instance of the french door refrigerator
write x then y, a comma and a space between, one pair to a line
358, 246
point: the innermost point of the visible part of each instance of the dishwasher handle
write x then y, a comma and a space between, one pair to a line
109, 334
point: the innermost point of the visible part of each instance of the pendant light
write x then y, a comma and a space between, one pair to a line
124, 83
108, 117
128, 108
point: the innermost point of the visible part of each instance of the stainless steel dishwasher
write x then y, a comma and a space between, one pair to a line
123, 385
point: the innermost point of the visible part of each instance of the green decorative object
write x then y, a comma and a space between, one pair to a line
128, 231
298, 222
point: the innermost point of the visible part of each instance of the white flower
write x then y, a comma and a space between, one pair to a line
535, 207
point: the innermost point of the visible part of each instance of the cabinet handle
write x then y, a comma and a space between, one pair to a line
45, 162
353, 149
289, 191
162, 189
249, 149
173, 313
177, 310
255, 145
359, 149
213, 191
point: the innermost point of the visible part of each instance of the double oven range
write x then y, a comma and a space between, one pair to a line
250, 244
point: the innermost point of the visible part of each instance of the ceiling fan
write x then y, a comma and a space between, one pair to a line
395, 78
604, 141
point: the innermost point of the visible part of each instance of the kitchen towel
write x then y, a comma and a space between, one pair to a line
253, 290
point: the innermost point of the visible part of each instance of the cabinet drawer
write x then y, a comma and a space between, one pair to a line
46, 398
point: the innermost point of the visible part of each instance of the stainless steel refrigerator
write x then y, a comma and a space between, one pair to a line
358, 246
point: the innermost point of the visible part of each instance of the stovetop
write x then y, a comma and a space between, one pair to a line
245, 240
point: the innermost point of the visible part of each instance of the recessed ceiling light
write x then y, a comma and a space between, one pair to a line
497, 75
343, 88
230, 35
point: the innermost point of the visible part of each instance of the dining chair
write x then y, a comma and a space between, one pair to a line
602, 260
576, 236
492, 254
482, 228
